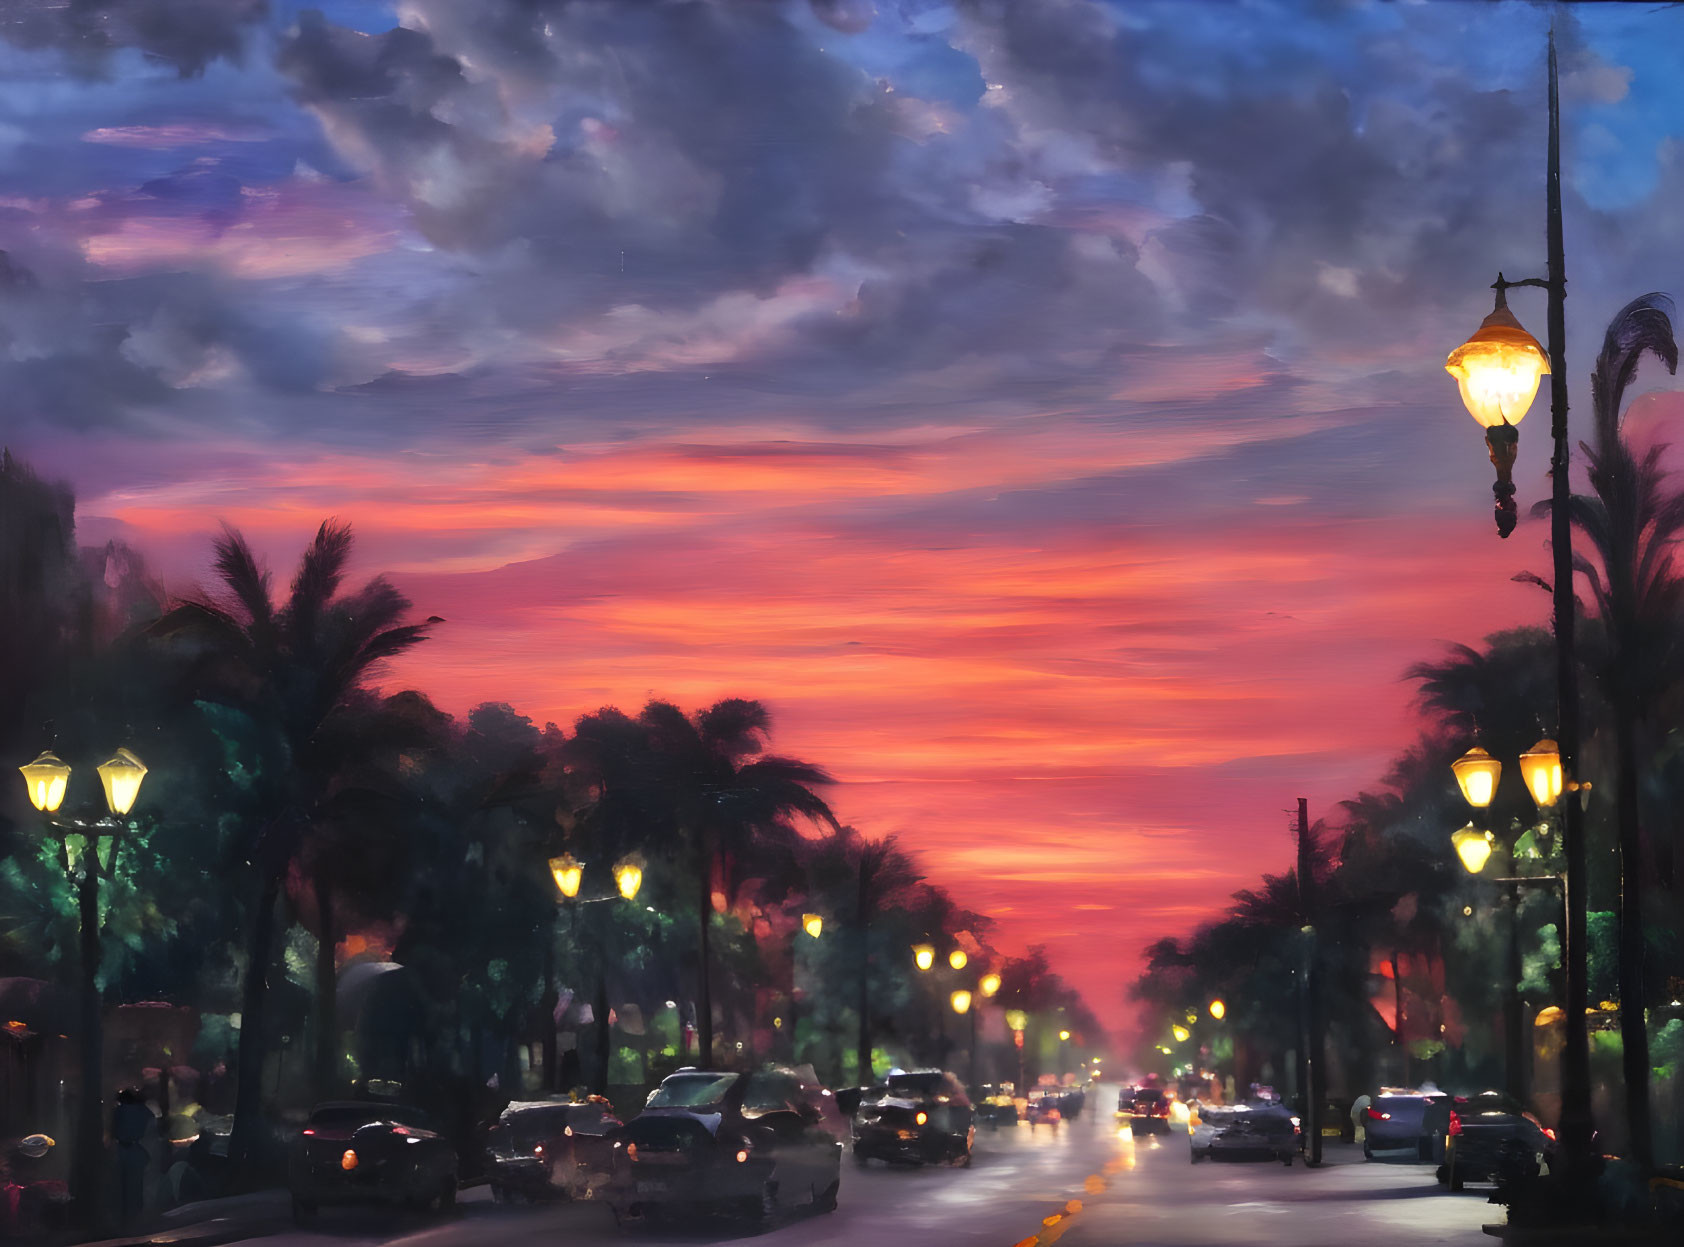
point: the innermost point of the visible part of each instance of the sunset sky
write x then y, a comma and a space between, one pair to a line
1039, 405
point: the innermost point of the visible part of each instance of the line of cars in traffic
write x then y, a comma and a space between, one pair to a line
1483, 1137
753, 1144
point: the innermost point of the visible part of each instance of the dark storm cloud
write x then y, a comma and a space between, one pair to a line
188, 34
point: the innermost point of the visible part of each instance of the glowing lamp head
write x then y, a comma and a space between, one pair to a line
1540, 767
961, 1001
568, 871
957, 959
46, 777
1498, 368
1477, 773
1473, 846
923, 956
813, 924
1017, 1019
628, 876
1064, 1036
990, 984
1181, 1033
121, 775
1218, 1010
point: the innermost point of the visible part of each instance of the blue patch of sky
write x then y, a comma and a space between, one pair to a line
368, 16
1615, 160
908, 48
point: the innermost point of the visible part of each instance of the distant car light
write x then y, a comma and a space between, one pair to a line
742, 1155
567, 1131
922, 1117
1455, 1123
309, 1133
348, 1161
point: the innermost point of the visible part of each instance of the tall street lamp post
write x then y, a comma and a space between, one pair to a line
1498, 371
87, 854
1477, 774
812, 926
569, 873
1016, 1021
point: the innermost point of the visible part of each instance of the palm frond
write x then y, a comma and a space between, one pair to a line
735, 726
320, 572
1644, 324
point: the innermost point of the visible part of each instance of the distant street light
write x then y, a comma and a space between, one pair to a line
1218, 1010
87, 853
957, 959
628, 876
1181, 1033
1477, 773
923, 956
813, 924
961, 1001
567, 872
989, 984
1473, 846
1540, 767
1064, 1036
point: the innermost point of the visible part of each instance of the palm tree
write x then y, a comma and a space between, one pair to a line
727, 801
1632, 520
295, 671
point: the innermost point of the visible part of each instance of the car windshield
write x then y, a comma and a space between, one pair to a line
915, 1084
691, 1090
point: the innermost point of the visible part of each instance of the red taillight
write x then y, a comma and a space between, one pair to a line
1455, 1122
404, 1130
308, 1133
631, 1151
1549, 1134
1375, 1114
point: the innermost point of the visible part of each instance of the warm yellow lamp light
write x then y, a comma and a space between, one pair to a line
121, 775
1218, 1010
1498, 369
1477, 772
567, 871
923, 956
1181, 1033
1064, 1036
990, 984
1016, 1019
1540, 767
961, 1001
628, 876
1473, 846
957, 959
812, 924
46, 777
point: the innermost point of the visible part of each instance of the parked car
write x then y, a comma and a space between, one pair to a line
1043, 1109
1396, 1120
1256, 1127
919, 1117
1148, 1111
548, 1148
353, 1152
996, 1104
1488, 1136
716, 1141
1071, 1102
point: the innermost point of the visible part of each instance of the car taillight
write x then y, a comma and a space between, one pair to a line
922, 1117
1455, 1122
1376, 1115
1549, 1134
631, 1151
309, 1133
348, 1161
538, 1150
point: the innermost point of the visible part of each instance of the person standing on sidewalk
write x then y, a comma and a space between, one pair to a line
130, 1121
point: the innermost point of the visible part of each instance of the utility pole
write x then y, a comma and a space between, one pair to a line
1309, 1036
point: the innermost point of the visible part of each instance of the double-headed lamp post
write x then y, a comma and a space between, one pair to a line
87, 854
1497, 371
569, 873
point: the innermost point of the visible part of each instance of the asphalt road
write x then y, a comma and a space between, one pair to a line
1087, 1184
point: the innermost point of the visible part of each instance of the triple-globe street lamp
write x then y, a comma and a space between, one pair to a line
87, 853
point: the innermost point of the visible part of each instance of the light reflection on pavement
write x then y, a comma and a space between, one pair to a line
1087, 1183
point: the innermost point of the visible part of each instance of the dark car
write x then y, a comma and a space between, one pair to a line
1148, 1111
728, 1142
1264, 1128
369, 1153
919, 1117
548, 1148
1071, 1101
996, 1104
1396, 1120
1488, 1136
